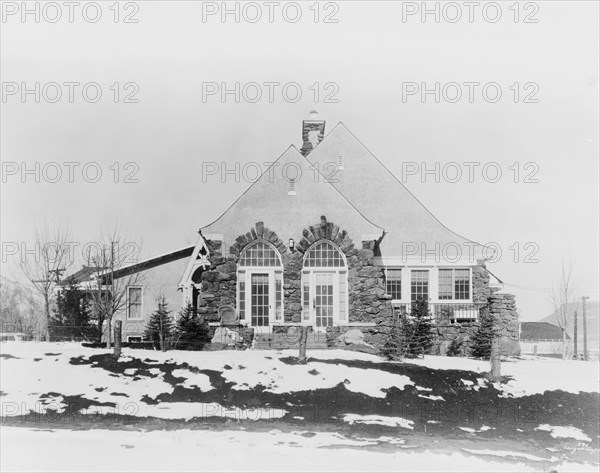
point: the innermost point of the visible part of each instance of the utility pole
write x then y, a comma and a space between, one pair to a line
575, 335
585, 350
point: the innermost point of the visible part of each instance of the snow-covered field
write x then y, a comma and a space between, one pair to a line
50, 378
531, 374
41, 368
194, 450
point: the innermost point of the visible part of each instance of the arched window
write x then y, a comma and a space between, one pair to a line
259, 253
324, 255
260, 284
324, 284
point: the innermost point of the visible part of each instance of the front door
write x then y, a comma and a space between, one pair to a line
260, 299
323, 301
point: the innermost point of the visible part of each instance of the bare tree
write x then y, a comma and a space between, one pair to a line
44, 265
111, 263
563, 300
20, 307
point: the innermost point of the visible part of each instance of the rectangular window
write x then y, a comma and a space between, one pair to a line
305, 296
419, 284
278, 295
260, 299
343, 295
393, 283
454, 284
445, 284
462, 284
242, 294
134, 302
131, 339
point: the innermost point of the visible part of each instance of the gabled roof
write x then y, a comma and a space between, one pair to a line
267, 200
380, 196
536, 331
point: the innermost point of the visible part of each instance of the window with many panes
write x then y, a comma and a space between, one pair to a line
259, 254
260, 284
324, 254
419, 284
454, 284
393, 283
134, 302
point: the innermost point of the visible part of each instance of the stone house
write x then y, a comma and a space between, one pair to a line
327, 236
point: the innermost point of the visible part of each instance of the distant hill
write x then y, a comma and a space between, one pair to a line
593, 318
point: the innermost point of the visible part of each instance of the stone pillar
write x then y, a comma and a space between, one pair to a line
504, 311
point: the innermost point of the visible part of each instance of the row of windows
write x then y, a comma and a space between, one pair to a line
454, 284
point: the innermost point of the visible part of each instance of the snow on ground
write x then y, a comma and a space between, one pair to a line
197, 380
30, 370
36, 376
504, 454
279, 377
532, 375
44, 369
483, 428
189, 410
558, 431
378, 420
200, 450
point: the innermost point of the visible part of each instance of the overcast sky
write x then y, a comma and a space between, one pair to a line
370, 55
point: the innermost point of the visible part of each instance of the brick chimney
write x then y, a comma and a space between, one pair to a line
313, 131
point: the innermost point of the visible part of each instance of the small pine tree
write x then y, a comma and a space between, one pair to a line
419, 336
410, 335
192, 332
160, 326
395, 346
485, 334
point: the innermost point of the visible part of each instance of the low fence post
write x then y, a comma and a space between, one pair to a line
303, 339
118, 338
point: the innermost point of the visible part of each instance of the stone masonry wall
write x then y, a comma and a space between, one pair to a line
218, 283
506, 318
367, 302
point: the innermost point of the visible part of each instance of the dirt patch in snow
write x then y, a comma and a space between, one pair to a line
459, 403
7, 356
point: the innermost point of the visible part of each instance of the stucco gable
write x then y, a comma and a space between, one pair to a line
268, 200
381, 197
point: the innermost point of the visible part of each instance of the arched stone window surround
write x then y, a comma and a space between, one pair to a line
259, 276
324, 284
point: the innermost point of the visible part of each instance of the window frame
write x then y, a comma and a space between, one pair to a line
332, 247
453, 285
340, 282
275, 274
400, 271
250, 247
422, 270
129, 304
